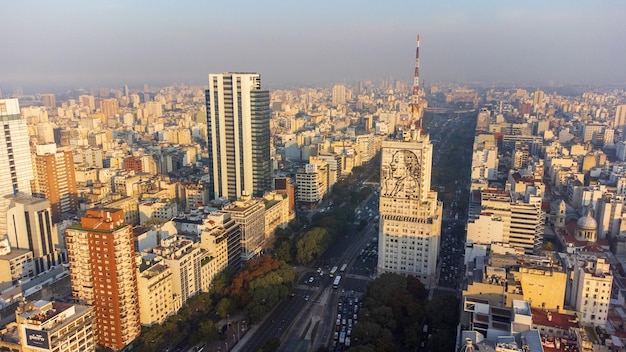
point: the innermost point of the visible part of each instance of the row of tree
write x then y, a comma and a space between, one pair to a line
395, 311
255, 290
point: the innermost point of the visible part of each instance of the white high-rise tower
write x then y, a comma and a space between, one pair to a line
238, 126
410, 214
15, 162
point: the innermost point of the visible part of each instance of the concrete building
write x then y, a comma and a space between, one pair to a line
103, 273
184, 258
277, 213
591, 289
16, 166
522, 216
30, 227
161, 209
311, 185
15, 264
156, 299
55, 327
339, 95
238, 126
249, 214
367, 146
55, 179
410, 214
221, 238
49, 100
620, 116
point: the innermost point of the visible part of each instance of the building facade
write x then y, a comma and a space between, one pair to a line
54, 326
103, 273
238, 126
249, 214
31, 227
55, 179
410, 214
15, 162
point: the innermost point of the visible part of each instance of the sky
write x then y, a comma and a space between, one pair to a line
70, 44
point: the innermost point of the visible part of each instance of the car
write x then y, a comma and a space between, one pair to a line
306, 298
311, 279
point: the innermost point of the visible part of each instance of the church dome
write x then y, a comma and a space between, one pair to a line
587, 222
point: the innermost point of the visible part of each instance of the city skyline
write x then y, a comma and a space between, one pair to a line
67, 44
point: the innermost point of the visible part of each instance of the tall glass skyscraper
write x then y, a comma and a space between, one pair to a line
238, 123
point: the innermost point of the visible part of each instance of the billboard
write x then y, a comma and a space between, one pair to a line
37, 338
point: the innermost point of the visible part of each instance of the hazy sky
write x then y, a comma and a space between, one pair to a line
303, 43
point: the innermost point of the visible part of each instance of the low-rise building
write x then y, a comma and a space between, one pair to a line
55, 326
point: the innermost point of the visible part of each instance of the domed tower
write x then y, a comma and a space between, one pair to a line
587, 227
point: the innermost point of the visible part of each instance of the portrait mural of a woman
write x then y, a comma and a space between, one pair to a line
402, 174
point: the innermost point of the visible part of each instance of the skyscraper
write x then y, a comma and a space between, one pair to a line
49, 100
410, 214
620, 116
15, 162
238, 124
339, 94
30, 227
55, 179
103, 273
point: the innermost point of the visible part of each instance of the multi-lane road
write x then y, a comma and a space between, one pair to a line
307, 317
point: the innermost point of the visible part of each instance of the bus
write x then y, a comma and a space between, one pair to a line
333, 271
343, 267
336, 282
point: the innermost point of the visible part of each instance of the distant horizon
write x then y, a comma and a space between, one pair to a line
59, 90
66, 44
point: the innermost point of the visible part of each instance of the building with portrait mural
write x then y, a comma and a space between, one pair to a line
410, 214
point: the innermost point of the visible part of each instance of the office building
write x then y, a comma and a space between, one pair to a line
16, 167
103, 273
410, 214
15, 264
49, 100
54, 326
30, 227
311, 185
522, 218
221, 238
156, 300
339, 94
184, 259
55, 179
249, 214
620, 116
238, 126
591, 289
109, 107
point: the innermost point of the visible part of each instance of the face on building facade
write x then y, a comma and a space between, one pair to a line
402, 173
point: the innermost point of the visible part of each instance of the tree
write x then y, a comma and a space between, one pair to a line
224, 307
207, 331
284, 252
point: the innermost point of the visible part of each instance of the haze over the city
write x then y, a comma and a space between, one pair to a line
68, 44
